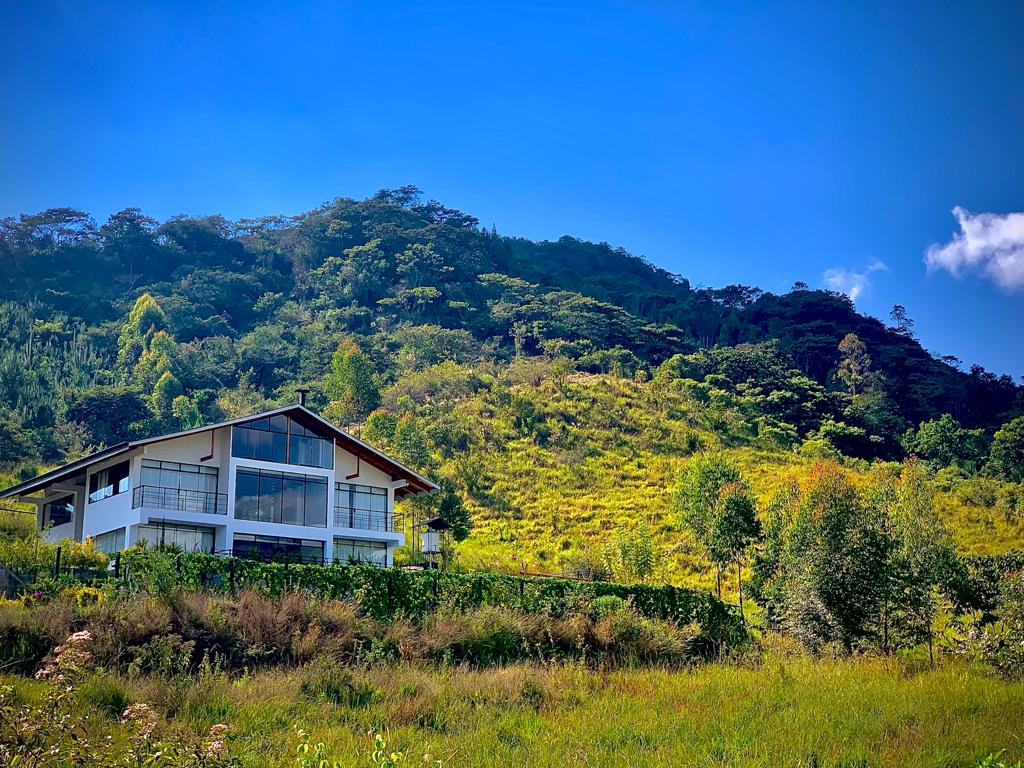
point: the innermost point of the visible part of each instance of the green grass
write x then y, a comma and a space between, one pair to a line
615, 450
786, 712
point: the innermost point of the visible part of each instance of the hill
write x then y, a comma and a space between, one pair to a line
558, 386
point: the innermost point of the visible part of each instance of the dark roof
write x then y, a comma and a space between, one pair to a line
415, 482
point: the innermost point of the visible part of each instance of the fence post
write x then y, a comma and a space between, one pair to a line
56, 564
522, 593
117, 565
231, 574
390, 590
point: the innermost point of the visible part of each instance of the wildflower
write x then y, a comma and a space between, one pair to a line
143, 716
218, 730
215, 749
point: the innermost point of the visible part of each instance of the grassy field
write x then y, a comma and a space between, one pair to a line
786, 712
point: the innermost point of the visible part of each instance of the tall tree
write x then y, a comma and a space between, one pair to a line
1006, 458
713, 502
350, 385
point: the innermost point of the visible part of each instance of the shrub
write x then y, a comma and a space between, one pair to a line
606, 605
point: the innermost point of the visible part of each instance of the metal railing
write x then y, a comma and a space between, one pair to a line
367, 519
180, 500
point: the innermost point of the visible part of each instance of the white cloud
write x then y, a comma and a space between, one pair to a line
990, 244
852, 282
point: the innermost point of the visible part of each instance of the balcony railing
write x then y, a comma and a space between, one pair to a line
367, 519
180, 500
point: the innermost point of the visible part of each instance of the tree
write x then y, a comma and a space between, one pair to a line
713, 502
903, 325
943, 442
165, 391
145, 319
922, 554
411, 443
734, 528
855, 364
15, 443
453, 512
130, 238
107, 413
350, 384
264, 350
835, 551
1006, 458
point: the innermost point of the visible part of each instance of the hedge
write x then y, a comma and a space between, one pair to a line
387, 594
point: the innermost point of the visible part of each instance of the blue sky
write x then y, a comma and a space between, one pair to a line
739, 142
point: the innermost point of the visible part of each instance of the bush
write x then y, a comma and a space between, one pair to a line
386, 594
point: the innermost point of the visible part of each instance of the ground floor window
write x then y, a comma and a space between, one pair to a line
278, 548
110, 542
176, 537
359, 551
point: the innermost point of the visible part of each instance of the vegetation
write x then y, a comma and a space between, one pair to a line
788, 710
585, 414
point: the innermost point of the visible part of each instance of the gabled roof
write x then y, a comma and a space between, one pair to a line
415, 483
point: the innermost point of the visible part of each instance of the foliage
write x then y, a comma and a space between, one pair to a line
1007, 456
385, 594
350, 384
943, 442
629, 555
55, 732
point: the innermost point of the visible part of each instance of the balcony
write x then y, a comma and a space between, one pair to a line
367, 520
180, 500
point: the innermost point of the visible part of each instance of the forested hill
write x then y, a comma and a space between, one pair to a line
240, 313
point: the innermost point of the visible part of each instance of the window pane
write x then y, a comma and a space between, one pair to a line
293, 501
150, 474
316, 503
110, 542
270, 498
247, 495
119, 477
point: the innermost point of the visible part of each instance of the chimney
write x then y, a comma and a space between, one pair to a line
302, 396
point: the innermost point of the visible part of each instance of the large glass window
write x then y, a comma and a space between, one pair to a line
183, 538
361, 506
110, 542
182, 487
278, 548
358, 551
282, 440
280, 497
182, 477
59, 511
108, 482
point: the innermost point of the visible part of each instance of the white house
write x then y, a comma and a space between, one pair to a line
284, 484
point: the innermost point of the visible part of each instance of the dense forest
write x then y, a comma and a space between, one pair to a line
233, 314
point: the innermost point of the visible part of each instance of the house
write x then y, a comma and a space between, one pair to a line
284, 484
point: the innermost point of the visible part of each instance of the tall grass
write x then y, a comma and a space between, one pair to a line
784, 712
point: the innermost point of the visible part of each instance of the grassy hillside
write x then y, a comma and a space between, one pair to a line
593, 452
